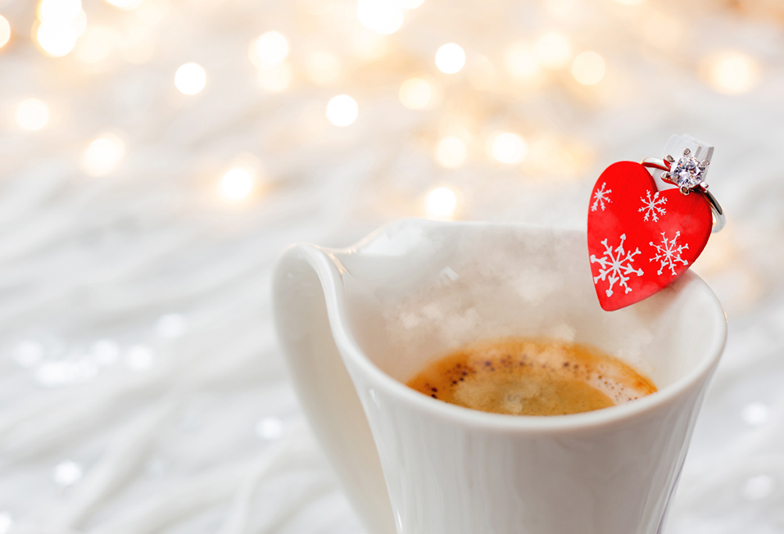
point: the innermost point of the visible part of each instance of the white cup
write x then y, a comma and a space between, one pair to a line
357, 323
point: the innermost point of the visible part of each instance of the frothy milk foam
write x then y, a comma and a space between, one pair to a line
531, 377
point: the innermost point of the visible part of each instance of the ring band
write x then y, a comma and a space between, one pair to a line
719, 220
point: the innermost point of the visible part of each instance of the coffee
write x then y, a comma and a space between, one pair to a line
531, 377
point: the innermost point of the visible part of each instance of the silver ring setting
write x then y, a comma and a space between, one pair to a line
688, 173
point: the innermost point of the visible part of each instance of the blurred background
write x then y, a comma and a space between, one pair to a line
157, 155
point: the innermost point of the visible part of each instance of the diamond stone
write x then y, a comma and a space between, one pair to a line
687, 172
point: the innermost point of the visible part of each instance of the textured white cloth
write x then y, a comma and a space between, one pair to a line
141, 387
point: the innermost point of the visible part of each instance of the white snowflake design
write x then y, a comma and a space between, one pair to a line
600, 197
652, 206
668, 253
616, 266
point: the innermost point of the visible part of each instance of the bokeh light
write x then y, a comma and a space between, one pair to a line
140, 357
269, 49
152, 12
269, 428
5, 31
410, 4
732, 72
342, 110
56, 39
432, 117
67, 473
381, 16
317, 7
756, 413
588, 68
103, 154
32, 114
561, 8
137, 44
61, 24
190, 78
369, 45
553, 50
451, 151
79, 23
59, 11
323, 67
275, 79
97, 44
125, 4
416, 93
520, 62
482, 75
508, 147
236, 184
441, 203
450, 58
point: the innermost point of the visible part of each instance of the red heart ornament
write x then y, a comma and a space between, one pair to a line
640, 239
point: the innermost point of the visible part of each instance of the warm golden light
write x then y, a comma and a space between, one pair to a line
59, 11
152, 12
79, 24
342, 110
410, 4
451, 151
560, 8
190, 78
323, 68
236, 184
482, 75
520, 62
369, 45
381, 16
97, 44
137, 44
561, 159
553, 50
103, 155
32, 114
664, 30
275, 79
450, 58
441, 203
508, 147
732, 72
56, 39
588, 68
317, 7
5, 31
125, 4
416, 93
269, 49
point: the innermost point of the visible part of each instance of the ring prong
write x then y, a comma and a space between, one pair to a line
703, 186
686, 151
685, 190
670, 159
704, 164
667, 177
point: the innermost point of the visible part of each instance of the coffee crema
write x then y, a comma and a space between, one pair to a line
531, 377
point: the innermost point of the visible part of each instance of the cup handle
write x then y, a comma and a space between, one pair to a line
306, 283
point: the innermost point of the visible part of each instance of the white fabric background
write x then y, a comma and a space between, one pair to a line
141, 387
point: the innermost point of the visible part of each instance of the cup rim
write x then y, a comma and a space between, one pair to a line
335, 301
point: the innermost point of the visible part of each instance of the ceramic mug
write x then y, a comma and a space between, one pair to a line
357, 323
